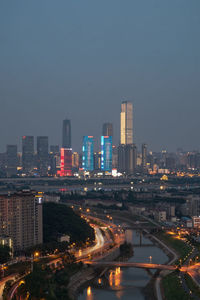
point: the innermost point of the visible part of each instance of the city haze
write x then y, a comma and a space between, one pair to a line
80, 59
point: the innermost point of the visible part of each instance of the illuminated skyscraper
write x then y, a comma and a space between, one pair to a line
107, 129
27, 153
66, 134
88, 153
126, 127
106, 153
65, 162
75, 160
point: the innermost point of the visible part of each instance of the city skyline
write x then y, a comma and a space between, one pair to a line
73, 65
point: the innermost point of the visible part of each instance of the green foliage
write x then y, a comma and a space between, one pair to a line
4, 254
173, 289
7, 287
178, 245
192, 286
58, 219
126, 250
44, 283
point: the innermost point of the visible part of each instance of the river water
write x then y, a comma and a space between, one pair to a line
126, 283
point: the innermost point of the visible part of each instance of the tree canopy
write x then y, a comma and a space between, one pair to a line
58, 219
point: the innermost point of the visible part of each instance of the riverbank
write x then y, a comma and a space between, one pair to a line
152, 290
79, 280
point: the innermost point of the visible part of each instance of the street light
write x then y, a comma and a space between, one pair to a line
150, 259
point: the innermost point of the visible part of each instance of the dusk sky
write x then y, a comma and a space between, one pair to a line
80, 59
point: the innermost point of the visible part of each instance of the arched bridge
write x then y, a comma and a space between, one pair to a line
130, 265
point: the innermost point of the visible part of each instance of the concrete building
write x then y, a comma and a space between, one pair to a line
144, 156
21, 219
66, 134
127, 158
7, 241
11, 160
107, 129
75, 160
42, 155
27, 153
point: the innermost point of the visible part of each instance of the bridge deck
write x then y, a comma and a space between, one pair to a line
130, 265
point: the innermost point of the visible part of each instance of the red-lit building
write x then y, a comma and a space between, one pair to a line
65, 162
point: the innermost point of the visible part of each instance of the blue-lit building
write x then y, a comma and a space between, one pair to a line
106, 153
88, 153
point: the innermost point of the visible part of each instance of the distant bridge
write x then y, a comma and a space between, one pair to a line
130, 265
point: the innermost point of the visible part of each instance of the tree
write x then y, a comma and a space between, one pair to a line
4, 254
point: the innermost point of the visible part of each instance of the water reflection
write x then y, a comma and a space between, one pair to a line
89, 293
126, 283
115, 278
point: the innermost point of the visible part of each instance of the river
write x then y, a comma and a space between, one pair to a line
126, 283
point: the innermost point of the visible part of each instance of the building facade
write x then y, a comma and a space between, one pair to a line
144, 156
107, 129
126, 123
88, 153
11, 160
65, 162
42, 155
27, 153
106, 153
66, 134
21, 219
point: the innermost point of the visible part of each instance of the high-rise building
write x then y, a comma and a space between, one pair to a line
144, 156
131, 158
127, 158
88, 153
114, 157
54, 156
42, 155
21, 219
55, 149
65, 162
66, 134
11, 160
27, 153
75, 160
126, 120
97, 161
107, 129
106, 153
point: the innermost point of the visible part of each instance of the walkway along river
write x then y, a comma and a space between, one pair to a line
126, 283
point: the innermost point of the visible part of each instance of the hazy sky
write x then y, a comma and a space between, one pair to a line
79, 59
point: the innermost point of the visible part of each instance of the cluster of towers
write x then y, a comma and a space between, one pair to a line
123, 157
64, 162
88, 159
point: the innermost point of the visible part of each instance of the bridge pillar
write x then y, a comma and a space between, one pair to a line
149, 272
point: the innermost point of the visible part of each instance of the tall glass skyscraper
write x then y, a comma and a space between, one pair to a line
126, 127
88, 153
42, 154
106, 153
107, 129
66, 134
27, 153
65, 162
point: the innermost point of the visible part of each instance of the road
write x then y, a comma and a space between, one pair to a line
2, 283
